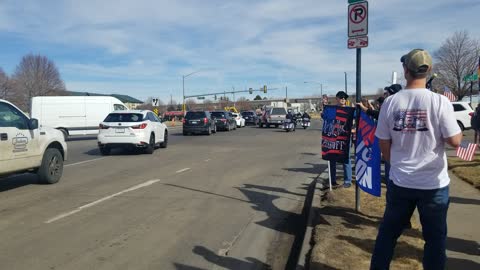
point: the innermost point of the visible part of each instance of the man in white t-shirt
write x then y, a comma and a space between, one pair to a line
413, 127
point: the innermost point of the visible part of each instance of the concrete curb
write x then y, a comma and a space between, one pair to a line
304, 258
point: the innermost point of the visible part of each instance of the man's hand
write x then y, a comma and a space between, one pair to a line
365, 109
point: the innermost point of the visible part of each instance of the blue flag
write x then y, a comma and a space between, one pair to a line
367, 157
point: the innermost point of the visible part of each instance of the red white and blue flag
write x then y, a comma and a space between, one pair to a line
466, 151
451, 96
367, 158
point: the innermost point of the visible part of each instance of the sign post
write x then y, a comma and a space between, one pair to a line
357, 39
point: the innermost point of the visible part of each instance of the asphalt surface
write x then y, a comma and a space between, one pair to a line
232, 200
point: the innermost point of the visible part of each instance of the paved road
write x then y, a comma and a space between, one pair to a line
232, 200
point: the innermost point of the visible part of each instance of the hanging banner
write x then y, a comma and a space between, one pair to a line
336, 132
367, 157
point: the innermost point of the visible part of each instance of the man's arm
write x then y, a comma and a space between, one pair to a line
455, 140
385, 149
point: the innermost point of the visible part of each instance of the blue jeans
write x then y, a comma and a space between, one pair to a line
347, 172
401, 202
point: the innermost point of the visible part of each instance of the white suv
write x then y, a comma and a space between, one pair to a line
132, 129
463, 113
26, 148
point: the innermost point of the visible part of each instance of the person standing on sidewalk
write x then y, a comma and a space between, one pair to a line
413, 127
347, 167
475, 122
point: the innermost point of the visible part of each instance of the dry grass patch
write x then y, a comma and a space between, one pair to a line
345, 239
468, 171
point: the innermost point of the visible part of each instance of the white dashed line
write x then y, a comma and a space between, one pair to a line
85, 161
64, 215
182, 170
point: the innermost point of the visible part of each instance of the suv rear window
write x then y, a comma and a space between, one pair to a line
247, 113
195, 115
124, 117
218, 114
458, 107
279, 111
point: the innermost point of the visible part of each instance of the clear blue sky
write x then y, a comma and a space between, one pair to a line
142, 48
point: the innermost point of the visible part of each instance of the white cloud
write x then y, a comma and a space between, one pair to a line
245, 43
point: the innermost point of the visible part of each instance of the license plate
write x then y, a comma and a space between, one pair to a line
246, 117
194, 122
119, 130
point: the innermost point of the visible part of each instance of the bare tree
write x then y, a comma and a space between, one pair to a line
243, 104
5, 86
190, 104
36, 75
208, 105
456, 58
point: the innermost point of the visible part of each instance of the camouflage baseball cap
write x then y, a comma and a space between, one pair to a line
418, 61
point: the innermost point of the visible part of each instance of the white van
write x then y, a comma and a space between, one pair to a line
74, 115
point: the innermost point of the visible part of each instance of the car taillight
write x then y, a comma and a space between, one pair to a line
142, 126
471, 114
224, 120
183, 121
101, 126
205, 120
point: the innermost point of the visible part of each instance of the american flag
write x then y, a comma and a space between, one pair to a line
466, 151
449, 94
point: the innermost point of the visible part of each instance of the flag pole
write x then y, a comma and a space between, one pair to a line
329, 177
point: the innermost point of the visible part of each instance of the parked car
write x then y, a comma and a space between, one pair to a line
273, 116
199, 122
132, 129
74, 115
250, 117
24, 147
463, 113
224, 120
240, 121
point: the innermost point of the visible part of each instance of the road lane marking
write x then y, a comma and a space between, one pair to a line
85, 161
207, 160
64, 215
183, 170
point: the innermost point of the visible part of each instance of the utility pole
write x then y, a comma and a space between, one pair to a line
346, 90
286, 94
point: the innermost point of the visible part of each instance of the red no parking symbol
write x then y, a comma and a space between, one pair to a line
358, 13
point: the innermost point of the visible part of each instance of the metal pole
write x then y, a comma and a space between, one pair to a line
183, 87
346, 90
471, 92
358, 99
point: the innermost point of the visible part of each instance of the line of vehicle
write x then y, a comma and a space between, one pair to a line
183, 170
85, 161
64, 215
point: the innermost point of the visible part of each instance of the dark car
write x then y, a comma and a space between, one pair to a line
250, 117
224, 120
199, 122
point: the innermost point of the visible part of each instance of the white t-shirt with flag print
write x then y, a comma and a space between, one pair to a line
417, 121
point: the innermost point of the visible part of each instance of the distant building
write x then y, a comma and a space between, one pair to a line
131, 102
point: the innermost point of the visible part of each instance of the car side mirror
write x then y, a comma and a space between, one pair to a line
33, 124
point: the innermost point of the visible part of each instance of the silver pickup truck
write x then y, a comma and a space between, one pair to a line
273, 116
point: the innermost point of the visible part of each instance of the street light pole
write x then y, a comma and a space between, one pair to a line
346, 91
183, 87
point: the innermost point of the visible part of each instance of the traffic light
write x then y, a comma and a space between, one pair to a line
250, 90
265, 89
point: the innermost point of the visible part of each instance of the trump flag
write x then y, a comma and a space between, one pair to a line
336, 132
367, 157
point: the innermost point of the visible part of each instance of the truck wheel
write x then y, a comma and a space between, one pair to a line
151, 146
104, 150
165, 140
51, 169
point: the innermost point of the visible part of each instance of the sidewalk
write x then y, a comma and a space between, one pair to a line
463, 243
